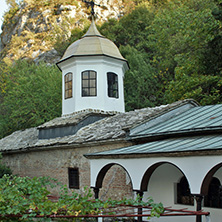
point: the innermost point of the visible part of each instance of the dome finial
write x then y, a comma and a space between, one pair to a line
92, 31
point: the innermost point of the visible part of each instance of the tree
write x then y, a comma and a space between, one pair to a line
212, 58
131, 29
192, 78
32, 96
179, 38
142, 83
142, 88
179, 43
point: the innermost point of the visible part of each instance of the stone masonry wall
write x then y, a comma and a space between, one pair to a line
55, 163
116, 184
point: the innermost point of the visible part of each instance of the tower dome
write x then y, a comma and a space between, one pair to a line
92, 44
93, 71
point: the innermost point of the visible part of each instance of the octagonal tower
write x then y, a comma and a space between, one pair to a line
92, 74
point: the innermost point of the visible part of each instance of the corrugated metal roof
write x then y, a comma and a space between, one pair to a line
187, 144
196, 118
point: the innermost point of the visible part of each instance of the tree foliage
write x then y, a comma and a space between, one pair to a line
143, 91
183, 42
179, 45
142, 83
30, 94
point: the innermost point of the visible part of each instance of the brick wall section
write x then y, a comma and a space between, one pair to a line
55, 163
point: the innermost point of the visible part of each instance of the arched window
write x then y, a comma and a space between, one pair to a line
183, 192
112, 80
68, 85
214, 196
89, 83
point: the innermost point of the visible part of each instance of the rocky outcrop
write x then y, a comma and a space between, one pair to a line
32, 29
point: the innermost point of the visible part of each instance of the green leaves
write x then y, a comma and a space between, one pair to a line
173, 49
141, 83
28, 197
204, 88
22, 195
31, 96
183, 31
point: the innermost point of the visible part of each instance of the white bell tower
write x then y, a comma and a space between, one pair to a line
92, 74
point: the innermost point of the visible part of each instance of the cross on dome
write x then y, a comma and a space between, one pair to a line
91, 4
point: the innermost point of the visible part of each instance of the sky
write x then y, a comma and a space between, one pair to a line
3, 8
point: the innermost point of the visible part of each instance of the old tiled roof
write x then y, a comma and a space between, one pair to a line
74, 118
108, 129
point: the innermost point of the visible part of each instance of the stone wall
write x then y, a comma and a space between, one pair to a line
116, 184
55, 163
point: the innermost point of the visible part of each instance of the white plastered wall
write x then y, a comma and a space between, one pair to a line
162, 188
102, 65
195, 168
162, 181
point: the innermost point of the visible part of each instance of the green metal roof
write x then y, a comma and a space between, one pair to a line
201, 118
206, 120
186, 144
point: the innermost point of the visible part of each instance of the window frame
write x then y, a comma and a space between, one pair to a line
112, 85
72, 183
91, 77
68, 83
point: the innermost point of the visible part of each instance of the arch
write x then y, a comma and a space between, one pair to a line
149, 172
208, 178
103, 171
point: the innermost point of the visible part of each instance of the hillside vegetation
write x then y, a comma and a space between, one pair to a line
174, 49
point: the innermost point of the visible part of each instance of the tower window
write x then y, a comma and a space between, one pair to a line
112, 79
183, 192
68, 85
73, 178
214, 196
89, 83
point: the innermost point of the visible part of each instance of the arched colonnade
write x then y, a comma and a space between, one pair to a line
198, 171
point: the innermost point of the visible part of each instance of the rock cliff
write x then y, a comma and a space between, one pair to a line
31, 29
